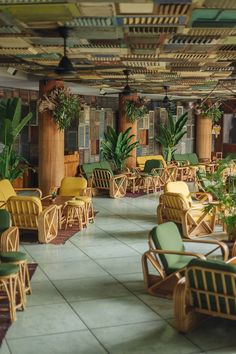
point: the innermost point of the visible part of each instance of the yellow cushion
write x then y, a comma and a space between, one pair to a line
142, 159
75, 202
180, 188
84, 198
6, 190
72, 186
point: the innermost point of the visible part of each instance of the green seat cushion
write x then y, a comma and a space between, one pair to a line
193, 159
167, 237
8, 269
198, 283
5, 220
150, 164
8, 257
181, 263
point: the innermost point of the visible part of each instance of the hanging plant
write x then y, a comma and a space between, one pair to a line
135, 110
64, 105
210, 110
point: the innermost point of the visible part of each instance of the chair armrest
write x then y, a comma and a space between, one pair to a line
205, 196
119, 176
197, 255
232, 261
222, 245
29, 189
87, 192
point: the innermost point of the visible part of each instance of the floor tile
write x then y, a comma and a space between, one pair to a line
45, 319
144, 338
4, 348
113, 312
44, 293
161, 306
109, 251
220, 333
121, 265
84, 289
82, 342
72, 270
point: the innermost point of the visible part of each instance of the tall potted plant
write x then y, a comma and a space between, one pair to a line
116, 147
12, 165
170, 134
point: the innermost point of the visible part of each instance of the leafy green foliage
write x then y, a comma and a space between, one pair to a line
12, 165
170, 133
66, 110
213, 112
225, 197
116, 147
135, 110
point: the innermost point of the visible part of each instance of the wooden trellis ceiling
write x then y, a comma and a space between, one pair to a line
189, 45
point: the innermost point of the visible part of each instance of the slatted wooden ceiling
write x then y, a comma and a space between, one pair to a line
182, 43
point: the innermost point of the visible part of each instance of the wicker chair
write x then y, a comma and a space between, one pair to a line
209, 288
9, 235
168, 256
180, 208
27, 213
104, 179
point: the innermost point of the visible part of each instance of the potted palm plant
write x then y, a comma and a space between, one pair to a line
170, 134
116, 147
12, 165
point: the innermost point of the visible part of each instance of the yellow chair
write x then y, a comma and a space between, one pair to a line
78, 187
27, 213
180, 208
142, 159
7, 191
195, 199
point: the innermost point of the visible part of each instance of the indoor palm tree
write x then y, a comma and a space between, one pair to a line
170, 134
116, 147
11, 124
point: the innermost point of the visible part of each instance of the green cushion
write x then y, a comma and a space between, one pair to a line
218, 266
8, 269
167, 237
5, 220
181, 263
88, 168
193, 159
8, 257
150, 164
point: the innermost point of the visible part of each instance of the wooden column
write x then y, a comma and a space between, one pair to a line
51, 144
204, 138
124, 124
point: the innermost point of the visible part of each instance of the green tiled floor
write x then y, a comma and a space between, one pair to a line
89, 297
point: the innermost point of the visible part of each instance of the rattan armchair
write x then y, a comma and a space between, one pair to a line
209, 288
168, 258
9, 235
27, 213
105, 180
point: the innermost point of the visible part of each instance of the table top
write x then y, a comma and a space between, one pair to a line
59, 200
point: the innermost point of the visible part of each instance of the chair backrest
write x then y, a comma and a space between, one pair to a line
173, 206
212, 285
179, 187
190, 157
87, 168
72, 186
6, 191
151, 164
5, 220
24, 211
142, 159
167, 237
101, 178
